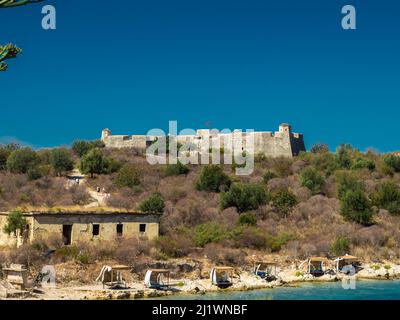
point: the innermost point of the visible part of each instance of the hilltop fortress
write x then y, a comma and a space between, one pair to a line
272, 144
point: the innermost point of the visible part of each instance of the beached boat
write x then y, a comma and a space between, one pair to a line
265, 270
222, 276
346, 262
112, 276
316, 266
157, 279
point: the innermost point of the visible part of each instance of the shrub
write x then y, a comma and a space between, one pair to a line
387, 267
79, 195
251, 237
27, 255
153, 204
299, 274
311, 179
244, 197
393, 162
175, 246
128, 177
61, 161
128, 250
347, 181
213, 178
387, 196
94, 162
176, 169
284, 201
208, 233
356, 207
340, 246
282, 166
344, 156
269, 175
376, 267
325, 162
174, 194
362, 163
15, 222
67, 252
319, 148
120, 201
275, 243
4, 154
21, 160
35, 173
111, 165
219, 254
84, 258
247, 219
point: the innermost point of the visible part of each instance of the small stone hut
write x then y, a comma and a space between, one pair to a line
82, 226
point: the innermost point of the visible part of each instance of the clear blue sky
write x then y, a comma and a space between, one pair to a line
134, 65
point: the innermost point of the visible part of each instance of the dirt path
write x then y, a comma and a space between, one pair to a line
100, 198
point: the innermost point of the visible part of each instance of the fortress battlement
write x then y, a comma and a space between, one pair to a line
272, 144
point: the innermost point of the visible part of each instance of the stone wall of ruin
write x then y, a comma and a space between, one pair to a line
272, 144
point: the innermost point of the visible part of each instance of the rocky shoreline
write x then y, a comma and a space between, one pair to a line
244, 281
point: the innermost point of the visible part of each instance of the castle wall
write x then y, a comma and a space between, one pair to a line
272, 144
137, 141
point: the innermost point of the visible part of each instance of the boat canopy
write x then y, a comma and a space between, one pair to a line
157, 278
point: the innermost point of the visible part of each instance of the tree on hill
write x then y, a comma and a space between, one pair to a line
319, 148
284, 201
81, 147
312, 179
344, 156
61, 161
393, 162
128, 176
153, 204
356, 207
244, 197
213, 178
15, 222
22, 160
347, 181
387, 196
5, 152
93, 163
176, 169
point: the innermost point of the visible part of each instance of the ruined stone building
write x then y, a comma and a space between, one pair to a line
83, 226
272, 144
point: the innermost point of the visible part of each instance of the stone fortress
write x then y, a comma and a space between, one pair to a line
272, 144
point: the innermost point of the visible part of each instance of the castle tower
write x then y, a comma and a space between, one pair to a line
285, 128
105, 134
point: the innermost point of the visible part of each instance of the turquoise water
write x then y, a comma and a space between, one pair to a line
365, 290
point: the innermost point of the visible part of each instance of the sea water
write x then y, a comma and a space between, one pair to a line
364, 290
